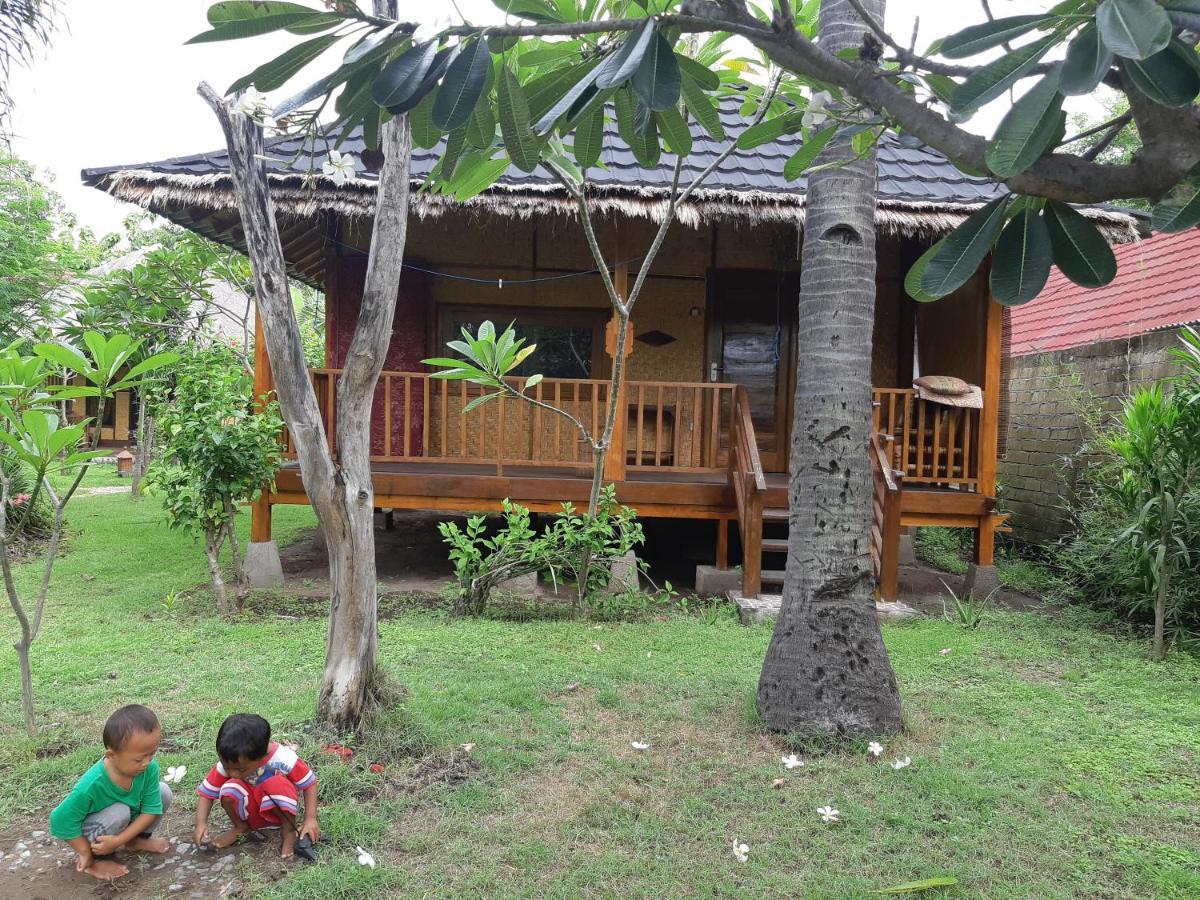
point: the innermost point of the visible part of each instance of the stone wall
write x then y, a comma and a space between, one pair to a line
1049, 395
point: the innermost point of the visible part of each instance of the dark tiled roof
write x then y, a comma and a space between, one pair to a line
908, 171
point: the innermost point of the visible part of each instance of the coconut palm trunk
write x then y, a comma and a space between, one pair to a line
826, 670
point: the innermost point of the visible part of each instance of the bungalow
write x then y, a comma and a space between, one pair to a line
708, 421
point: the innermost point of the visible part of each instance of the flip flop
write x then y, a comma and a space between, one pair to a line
304, 849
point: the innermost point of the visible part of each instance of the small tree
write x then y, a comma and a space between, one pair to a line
220, 453
1157, 451
36, 438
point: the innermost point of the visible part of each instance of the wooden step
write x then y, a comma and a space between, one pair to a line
772, 576
775, 514
774, 545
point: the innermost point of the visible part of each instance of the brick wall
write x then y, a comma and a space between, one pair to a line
1046, 394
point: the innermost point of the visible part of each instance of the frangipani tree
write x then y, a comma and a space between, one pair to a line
33, 434
538, 88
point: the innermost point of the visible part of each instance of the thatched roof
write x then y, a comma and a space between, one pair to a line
920, 193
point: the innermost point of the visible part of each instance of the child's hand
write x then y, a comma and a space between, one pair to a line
106, 844
200, 834
312, 829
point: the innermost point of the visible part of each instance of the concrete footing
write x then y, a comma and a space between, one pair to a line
262, 564
755, 610
624, 574
714, 582
980, 581
908, 549
521, 586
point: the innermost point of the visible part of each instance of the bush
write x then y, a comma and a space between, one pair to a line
40, 518
574, 547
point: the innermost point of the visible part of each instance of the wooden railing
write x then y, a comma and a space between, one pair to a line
749, 487
929, 443
670, 427
885, 517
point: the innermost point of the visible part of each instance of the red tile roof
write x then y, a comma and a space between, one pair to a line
1157, 286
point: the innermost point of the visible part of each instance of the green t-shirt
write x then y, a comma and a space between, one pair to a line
95, 791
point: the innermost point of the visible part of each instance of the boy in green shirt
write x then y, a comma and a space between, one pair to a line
119, 801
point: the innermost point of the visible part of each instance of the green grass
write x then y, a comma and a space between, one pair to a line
949, 549
1049, 760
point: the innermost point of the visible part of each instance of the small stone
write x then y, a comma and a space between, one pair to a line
19, 846
777, 784
185, 847
39, 834
25, 854
174, 888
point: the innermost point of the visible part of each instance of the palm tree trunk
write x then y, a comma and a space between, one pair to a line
826, 670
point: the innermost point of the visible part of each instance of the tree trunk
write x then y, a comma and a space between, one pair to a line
145, 449
235, 553
1159, 651
212, 550
341, 490
826, 670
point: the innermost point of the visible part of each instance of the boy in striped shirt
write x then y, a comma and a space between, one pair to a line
259, 784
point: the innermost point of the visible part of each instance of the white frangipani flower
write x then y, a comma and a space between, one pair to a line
792, 762
256, 106
946, 651
814, 113
639, 745
741, 852
901, 763
875, 748
339, 167
175, 774
828, 814
365, 858
467, 748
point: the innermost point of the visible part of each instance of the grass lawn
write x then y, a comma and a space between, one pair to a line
1048, 759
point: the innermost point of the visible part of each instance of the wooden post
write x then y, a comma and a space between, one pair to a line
722, 544
614, 461
989, 423
260, 511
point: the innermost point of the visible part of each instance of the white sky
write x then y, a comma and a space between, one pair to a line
120, 86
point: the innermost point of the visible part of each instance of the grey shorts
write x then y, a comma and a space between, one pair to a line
116, 818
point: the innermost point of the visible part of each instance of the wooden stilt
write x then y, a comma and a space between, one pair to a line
264, 384
722, 544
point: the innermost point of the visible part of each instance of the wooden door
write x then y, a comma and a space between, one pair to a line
752, 333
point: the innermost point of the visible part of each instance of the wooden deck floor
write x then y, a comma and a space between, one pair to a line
475, 487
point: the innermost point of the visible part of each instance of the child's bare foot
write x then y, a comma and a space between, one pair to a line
149, 845
106, 869
226, 839
287, 848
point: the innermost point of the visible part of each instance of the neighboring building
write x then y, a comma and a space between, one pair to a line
713, 361
1076, 350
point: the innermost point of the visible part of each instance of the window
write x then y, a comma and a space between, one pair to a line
569, 341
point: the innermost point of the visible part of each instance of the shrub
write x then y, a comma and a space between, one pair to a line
574, 547
38, 518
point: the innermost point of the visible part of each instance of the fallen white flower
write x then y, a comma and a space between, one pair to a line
175, 774
875, 748
365, 858
792, 762
945, 651
639, 745
828, 814
741, 852
467, 748
902, 763
596, 647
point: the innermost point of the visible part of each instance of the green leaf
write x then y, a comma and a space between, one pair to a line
535, 10
706, 78
399, 80
1080, 250
481, 126
914, 887
702, 109
996, 77
425, 134
234, 20
941, 86
454, 147
476, 174
586, 74
276, 73
963, 249
1168, 78
479, 401
1022, 258
1179, 209
532, 381
642, 139
462, 86
64, 356
522, 144
675, 131
799, 161
656, 80
1184, 13
982, 37
1133, 29
589, 139
1027, 130
619, 68
1087, 62
770, 129
912, 281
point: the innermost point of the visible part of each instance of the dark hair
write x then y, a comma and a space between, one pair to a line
126, 721
243, 736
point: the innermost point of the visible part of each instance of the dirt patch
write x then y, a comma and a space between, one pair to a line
35, 866
925, 589
450, 768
